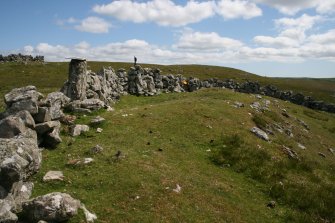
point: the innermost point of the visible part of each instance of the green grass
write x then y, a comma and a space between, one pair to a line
188, 139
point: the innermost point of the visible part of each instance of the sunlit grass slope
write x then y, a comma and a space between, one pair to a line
171, 139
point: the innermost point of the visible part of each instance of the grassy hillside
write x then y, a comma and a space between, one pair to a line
177, 139
199, 141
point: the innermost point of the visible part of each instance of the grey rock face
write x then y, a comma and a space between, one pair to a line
19, 159
14, 125
43, 115
260, 133
55, 101
48, 133
75, 87
53, 207
76, 130
25, 98
6, 215
21, 192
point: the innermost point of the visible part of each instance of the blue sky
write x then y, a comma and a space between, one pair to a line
267, 37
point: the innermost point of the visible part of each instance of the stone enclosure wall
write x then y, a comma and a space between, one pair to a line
88, 90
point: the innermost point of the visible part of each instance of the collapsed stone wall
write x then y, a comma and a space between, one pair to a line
21, 58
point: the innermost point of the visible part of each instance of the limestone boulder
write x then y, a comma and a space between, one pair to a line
6, 215
55, 101
20, 157
53, 207
25, 98
260, 133
48, 133
20, 192
77, 130
14, 125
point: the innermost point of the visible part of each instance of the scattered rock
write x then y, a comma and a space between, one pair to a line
99, 130
260, 133
271, 204
77, 130
332, 151
53, 175
110, 109
177, 189
97, 149
97, 120
53, 207
256, 105
284, 113
303, 124
291, 153
238, 104
301, 146
90, 217
322, 155
88, 160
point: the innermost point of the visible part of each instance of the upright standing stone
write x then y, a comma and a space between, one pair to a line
75, 88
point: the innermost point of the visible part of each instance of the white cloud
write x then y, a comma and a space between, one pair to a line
212, 41
292, 31
28, 49
163, 12
326, 6
232, 9
325, 38
93, 25
291, 7
304, 22
280, 41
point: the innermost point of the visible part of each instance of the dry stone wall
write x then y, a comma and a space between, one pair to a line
88, 90
21, 58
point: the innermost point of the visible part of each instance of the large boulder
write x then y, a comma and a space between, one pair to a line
14, 125
25, 98
6, 215
260, 133
48, 133
54, 102
20, 157
20, 192
53, 207
76, 130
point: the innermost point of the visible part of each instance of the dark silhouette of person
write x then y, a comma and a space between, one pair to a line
135, 61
